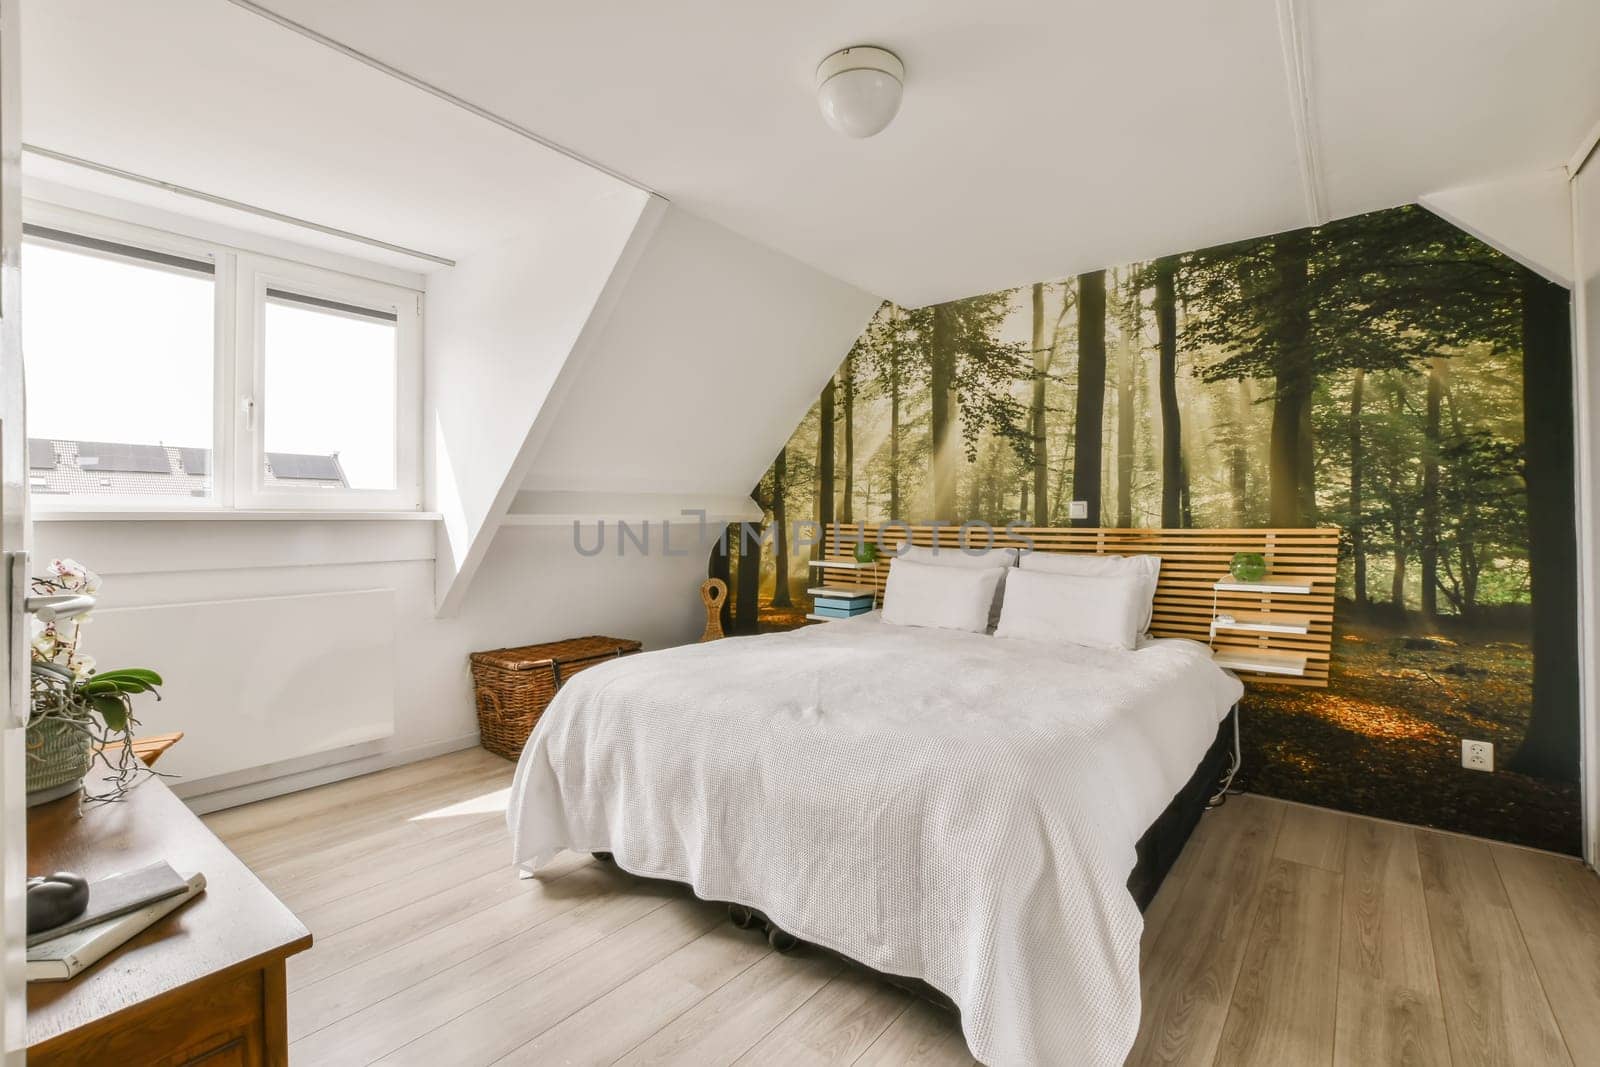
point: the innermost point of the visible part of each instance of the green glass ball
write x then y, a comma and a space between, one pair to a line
1248, 566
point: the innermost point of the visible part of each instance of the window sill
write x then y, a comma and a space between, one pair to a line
233, 515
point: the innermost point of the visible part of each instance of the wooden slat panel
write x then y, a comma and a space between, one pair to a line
1191, 562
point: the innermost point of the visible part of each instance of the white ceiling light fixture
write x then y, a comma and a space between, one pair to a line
858, 89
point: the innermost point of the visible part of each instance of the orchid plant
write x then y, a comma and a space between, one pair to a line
69, 691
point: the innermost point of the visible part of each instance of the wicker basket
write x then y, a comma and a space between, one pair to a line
513, 686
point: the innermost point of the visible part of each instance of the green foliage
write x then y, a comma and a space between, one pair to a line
1383, 294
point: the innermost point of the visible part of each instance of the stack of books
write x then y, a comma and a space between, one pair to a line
121, 907
842, 602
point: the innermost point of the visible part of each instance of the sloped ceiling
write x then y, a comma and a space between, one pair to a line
212, 97
1037, 139
712, 355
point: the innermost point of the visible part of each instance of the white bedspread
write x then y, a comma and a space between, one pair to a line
948, 806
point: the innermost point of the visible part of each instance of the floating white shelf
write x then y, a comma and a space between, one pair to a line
1264, 585
1260, 661
844, 564
1265, 624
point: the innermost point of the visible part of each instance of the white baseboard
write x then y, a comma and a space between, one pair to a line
230, 791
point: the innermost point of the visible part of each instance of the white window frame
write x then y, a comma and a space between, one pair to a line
255, 274
238, 461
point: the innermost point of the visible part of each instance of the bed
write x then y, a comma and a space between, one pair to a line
985, 816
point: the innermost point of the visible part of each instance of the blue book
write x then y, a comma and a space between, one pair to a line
851, 604
842, 613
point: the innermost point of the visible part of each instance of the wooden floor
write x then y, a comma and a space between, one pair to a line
1285, 935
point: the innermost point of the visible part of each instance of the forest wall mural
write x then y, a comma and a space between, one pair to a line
1388, 374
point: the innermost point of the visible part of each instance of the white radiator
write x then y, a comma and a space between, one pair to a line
257, 681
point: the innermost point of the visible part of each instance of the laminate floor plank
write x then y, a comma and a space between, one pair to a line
1389, 1009
921, 1036
609, 1027
1282, 1009
397, 1020
1190, 972
497, 1025
391, 959
1283, 934
310, 885
1557, 904
1494, 1003
1312, 836
726, 1024
287, 810
834, 1027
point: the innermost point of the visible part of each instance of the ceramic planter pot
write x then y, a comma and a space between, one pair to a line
58, 757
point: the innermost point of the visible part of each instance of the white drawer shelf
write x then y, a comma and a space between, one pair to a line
1265, 585
1260, 661
1270, 623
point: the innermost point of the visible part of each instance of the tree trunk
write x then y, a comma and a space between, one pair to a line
1042, 354
1171, 428
780, 545
720, 566
1358, 529
1550, 748
1128, 353
1397, 585
825, 513
1088, 426
894, 431
747, 607
847, 502
1294, 378
1239, 458
1428, 542
941, 362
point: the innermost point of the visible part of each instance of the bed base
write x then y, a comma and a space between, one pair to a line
1157, 851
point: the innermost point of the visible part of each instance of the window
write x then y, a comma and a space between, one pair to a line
335, 387
163, 372
119, 345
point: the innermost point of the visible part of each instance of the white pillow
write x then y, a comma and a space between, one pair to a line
954, 556
949, 598
1147, 568
1100, 611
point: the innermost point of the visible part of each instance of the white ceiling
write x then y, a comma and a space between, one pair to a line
1037, 138
206, 95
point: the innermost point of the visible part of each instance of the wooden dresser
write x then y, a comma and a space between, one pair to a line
205, 984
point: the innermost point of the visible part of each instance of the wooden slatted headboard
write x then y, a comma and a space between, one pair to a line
1276, 626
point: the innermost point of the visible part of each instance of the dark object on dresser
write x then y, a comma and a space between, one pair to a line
513, 686
204, 984
55, 900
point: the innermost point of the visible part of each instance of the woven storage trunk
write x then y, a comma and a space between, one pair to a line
513, 686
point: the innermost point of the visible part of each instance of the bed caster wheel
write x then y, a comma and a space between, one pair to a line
781, 941
742, 917
603, 857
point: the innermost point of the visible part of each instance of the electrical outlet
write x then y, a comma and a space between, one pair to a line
1078, 509
1477, 755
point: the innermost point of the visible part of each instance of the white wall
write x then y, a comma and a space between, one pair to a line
1586, 308
714, 353
499, 328
1526, 216
532, 587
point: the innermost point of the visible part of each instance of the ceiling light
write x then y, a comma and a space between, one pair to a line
858, 89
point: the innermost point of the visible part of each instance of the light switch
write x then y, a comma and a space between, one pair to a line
1078, 509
